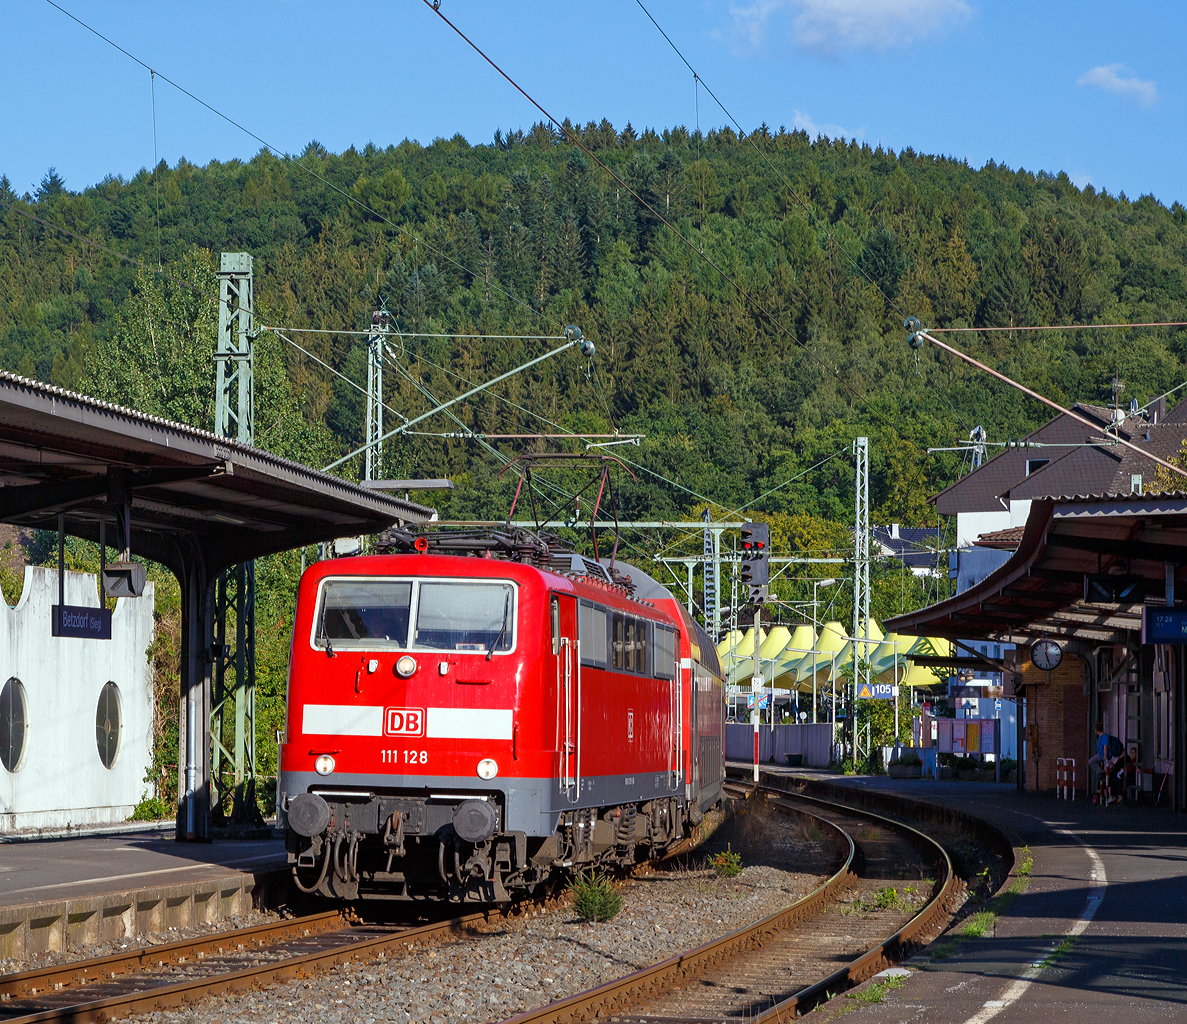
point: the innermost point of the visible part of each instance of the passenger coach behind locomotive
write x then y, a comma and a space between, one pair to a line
472, 727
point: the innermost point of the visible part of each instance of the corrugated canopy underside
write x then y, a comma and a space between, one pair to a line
1042, 590
62, 452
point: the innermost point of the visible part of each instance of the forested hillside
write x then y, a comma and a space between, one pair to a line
730, 405
526, 234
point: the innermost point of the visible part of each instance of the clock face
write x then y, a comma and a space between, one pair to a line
1045, 654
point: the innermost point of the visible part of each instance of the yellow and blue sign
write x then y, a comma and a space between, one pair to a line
875, 691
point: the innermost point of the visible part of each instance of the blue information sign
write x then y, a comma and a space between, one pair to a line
1164, 625
83, 623
875, 691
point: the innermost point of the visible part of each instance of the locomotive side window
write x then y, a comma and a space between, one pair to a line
619, 644
555, 604
641, 645
365, 612
664, 652
592, 625
465, 617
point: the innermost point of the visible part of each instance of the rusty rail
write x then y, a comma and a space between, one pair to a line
636, 987
190, 990
27, 984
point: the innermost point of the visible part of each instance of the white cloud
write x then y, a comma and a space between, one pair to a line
828, 26
750, 22
833, 131
1108, 77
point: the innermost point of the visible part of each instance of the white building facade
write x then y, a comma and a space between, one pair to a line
76, 715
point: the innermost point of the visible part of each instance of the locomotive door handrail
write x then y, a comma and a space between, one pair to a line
568, 740
577, 658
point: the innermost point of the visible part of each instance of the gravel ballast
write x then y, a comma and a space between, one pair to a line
547, 954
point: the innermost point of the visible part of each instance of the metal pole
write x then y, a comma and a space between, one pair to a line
756, 688
834, 678
896, 694
61, 570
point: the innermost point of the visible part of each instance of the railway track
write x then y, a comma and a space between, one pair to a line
786, 964
181, 973
143, 980
779, 967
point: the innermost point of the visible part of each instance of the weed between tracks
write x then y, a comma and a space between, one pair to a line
981, 923
876, 991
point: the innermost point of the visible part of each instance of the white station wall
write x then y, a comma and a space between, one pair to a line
60, 779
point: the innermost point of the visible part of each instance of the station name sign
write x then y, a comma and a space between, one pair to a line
1164, 625
82, 623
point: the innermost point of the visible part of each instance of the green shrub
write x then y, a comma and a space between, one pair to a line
594, 898
727, 864
152, 808
908, 759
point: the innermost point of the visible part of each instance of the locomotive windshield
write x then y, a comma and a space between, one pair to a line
366, 612
463, 615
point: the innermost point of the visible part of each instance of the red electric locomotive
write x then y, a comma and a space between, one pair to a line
482, 714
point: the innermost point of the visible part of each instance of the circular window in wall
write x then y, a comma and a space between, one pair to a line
107, 724
14, 719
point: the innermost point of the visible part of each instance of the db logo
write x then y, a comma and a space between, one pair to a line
404, 722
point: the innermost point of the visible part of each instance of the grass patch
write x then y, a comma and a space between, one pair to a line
979, 924
875, 992
1060, 951
1025, 863
984, 922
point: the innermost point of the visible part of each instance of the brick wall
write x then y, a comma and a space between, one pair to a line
1058, 708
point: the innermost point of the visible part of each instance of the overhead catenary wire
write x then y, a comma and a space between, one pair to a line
749, 137
336, 373
699, 250
296, 162
422, 334
1047, 401
1053, 327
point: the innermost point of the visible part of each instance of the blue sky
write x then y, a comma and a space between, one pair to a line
1095, 89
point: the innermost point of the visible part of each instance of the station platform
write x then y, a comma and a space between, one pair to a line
61, 892
1098, 933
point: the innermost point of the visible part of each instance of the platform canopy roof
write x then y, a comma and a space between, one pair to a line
1082, 571
65, 453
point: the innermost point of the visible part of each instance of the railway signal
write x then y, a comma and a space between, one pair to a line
756, 567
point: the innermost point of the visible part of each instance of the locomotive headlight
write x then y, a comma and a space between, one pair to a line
406, 666
324, 764
487, 768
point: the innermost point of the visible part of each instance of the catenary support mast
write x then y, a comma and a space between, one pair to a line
861, 572
234, 648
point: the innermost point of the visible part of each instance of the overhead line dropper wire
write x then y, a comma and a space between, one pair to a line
636, 465
1047, 401
336, 373
297, 163
746, 296
160, 272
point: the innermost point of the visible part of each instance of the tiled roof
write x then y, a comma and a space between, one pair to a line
1005, 540
981, 490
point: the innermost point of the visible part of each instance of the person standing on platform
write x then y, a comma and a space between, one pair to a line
1100, 760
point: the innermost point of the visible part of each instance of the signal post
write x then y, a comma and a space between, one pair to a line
756, 573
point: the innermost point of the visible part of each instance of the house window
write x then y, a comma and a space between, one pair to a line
1034, 465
